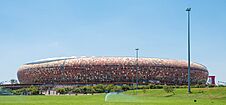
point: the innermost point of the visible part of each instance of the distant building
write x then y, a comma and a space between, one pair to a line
110, 70
211, 80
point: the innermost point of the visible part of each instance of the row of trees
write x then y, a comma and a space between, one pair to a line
100, 88
26, 91
93, 89
12, 81
78, 90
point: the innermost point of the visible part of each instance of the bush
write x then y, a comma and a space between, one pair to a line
26, 91
117, 89
33, 90
199, 86
151, 86
67, 90
169, 89
91, 90
211, 86
201, 82
84, 90
221, 86
22, 91
76, 90
100, 88
184, 86
61, 90
146, 87
109, 88
159, 86
144, 91
125, 87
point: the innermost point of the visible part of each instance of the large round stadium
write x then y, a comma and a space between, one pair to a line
110, 70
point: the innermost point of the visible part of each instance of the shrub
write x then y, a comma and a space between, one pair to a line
33, 90
84, 90
91, 90
76, 90
61, 90
67, 90
22, 91
152, 86
146, 87
109, 88
221, 86
100, 88
169, 89
144, 91
117, 88
200, 82
199, 86
184, 86
125, 87
211, 86
159, 86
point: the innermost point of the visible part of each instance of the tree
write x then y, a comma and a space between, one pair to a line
61, 90
100, 88
200, 82
33, 90
117, 89
13, 81
109, 87
90, 90
84, 89
76, 90
22, 91
125, 87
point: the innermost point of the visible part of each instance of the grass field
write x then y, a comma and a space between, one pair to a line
204, 96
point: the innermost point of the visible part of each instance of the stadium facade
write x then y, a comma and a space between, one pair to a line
110, 70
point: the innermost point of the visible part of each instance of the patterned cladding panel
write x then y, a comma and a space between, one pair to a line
111, 70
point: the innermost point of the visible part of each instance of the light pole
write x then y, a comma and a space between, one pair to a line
189, 78
136, 69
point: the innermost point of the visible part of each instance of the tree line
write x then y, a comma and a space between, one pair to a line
100, 88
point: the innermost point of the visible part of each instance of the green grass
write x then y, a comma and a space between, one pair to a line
204, 96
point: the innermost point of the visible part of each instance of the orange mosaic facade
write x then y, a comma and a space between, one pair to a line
114, 70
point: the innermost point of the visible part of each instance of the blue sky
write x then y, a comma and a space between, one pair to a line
32, 30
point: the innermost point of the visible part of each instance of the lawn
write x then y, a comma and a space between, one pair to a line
203, 96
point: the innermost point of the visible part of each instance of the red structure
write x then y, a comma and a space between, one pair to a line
212, 80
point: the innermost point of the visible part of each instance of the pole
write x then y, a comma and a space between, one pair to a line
137, 69
133, 80
189, 52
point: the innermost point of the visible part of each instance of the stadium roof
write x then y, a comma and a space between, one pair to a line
154, 60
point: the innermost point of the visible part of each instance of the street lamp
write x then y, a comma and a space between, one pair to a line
189, 78
136, 69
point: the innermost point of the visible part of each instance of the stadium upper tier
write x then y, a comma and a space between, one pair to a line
115, 70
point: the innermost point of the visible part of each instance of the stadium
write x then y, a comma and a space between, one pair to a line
110, 70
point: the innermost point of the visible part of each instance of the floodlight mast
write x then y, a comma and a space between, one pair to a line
189, 52
136, 69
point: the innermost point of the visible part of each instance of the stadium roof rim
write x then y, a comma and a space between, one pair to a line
77, 57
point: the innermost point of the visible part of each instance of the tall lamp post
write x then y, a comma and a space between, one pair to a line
189, 78
136, 69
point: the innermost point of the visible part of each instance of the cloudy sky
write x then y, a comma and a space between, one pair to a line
36, 29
